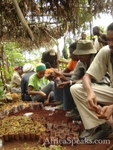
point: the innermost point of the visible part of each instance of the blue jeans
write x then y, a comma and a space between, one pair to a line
58, 93
63, 94
68, 102
47, 90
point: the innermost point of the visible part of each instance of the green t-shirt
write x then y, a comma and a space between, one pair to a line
37, 83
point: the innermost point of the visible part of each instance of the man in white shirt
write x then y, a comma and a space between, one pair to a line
90, 97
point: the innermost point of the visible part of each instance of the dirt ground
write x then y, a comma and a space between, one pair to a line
54, 116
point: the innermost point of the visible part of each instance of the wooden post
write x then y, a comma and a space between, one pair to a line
1, 63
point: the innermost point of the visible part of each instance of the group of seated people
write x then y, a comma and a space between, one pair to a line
84, 87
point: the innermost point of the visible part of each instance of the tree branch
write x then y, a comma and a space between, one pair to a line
20, 15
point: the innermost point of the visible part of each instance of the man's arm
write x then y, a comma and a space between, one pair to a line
63, 61
106, 112
87, 83
91, 97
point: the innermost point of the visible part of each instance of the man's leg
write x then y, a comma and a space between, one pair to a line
47, 89
58, 93
16, 90
104, 96
68, 99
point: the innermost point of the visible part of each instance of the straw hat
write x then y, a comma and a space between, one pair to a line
84, 47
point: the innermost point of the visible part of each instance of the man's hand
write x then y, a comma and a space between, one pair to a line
46, 102
53, 75
106, 112
92, 102
58, 74
62, 85
50, 76
43, 94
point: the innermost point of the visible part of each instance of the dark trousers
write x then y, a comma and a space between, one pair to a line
47, 90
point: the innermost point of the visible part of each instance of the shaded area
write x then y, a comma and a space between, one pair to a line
47, 19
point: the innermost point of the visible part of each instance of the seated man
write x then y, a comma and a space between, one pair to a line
86, 53
39, 87
16, 79
28, 70
88, 96
67, 72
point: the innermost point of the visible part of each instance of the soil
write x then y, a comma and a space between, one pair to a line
57, 116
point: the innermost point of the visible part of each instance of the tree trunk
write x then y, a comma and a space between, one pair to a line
20, 15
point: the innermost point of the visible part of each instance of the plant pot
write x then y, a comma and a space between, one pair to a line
52, 133
67, 130
64, 123
55, 126
11, 136
15, 109
35, 106
75, 128
31, 106
44, 137
62, 140
48, 130
41, 105
21, 107
32, 135
54, 140
46, 140
76, 135
57, 134
16, 136
41, 140
69, 138
70, 124
49, 125
37, 136
21, 135
61, 132
6, 137
27, 136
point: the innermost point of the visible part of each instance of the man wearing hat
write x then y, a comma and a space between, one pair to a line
28, 70
51, 57
90, 97
86, 53
16, 79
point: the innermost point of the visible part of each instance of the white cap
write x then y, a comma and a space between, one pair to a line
28, 67
52, 52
